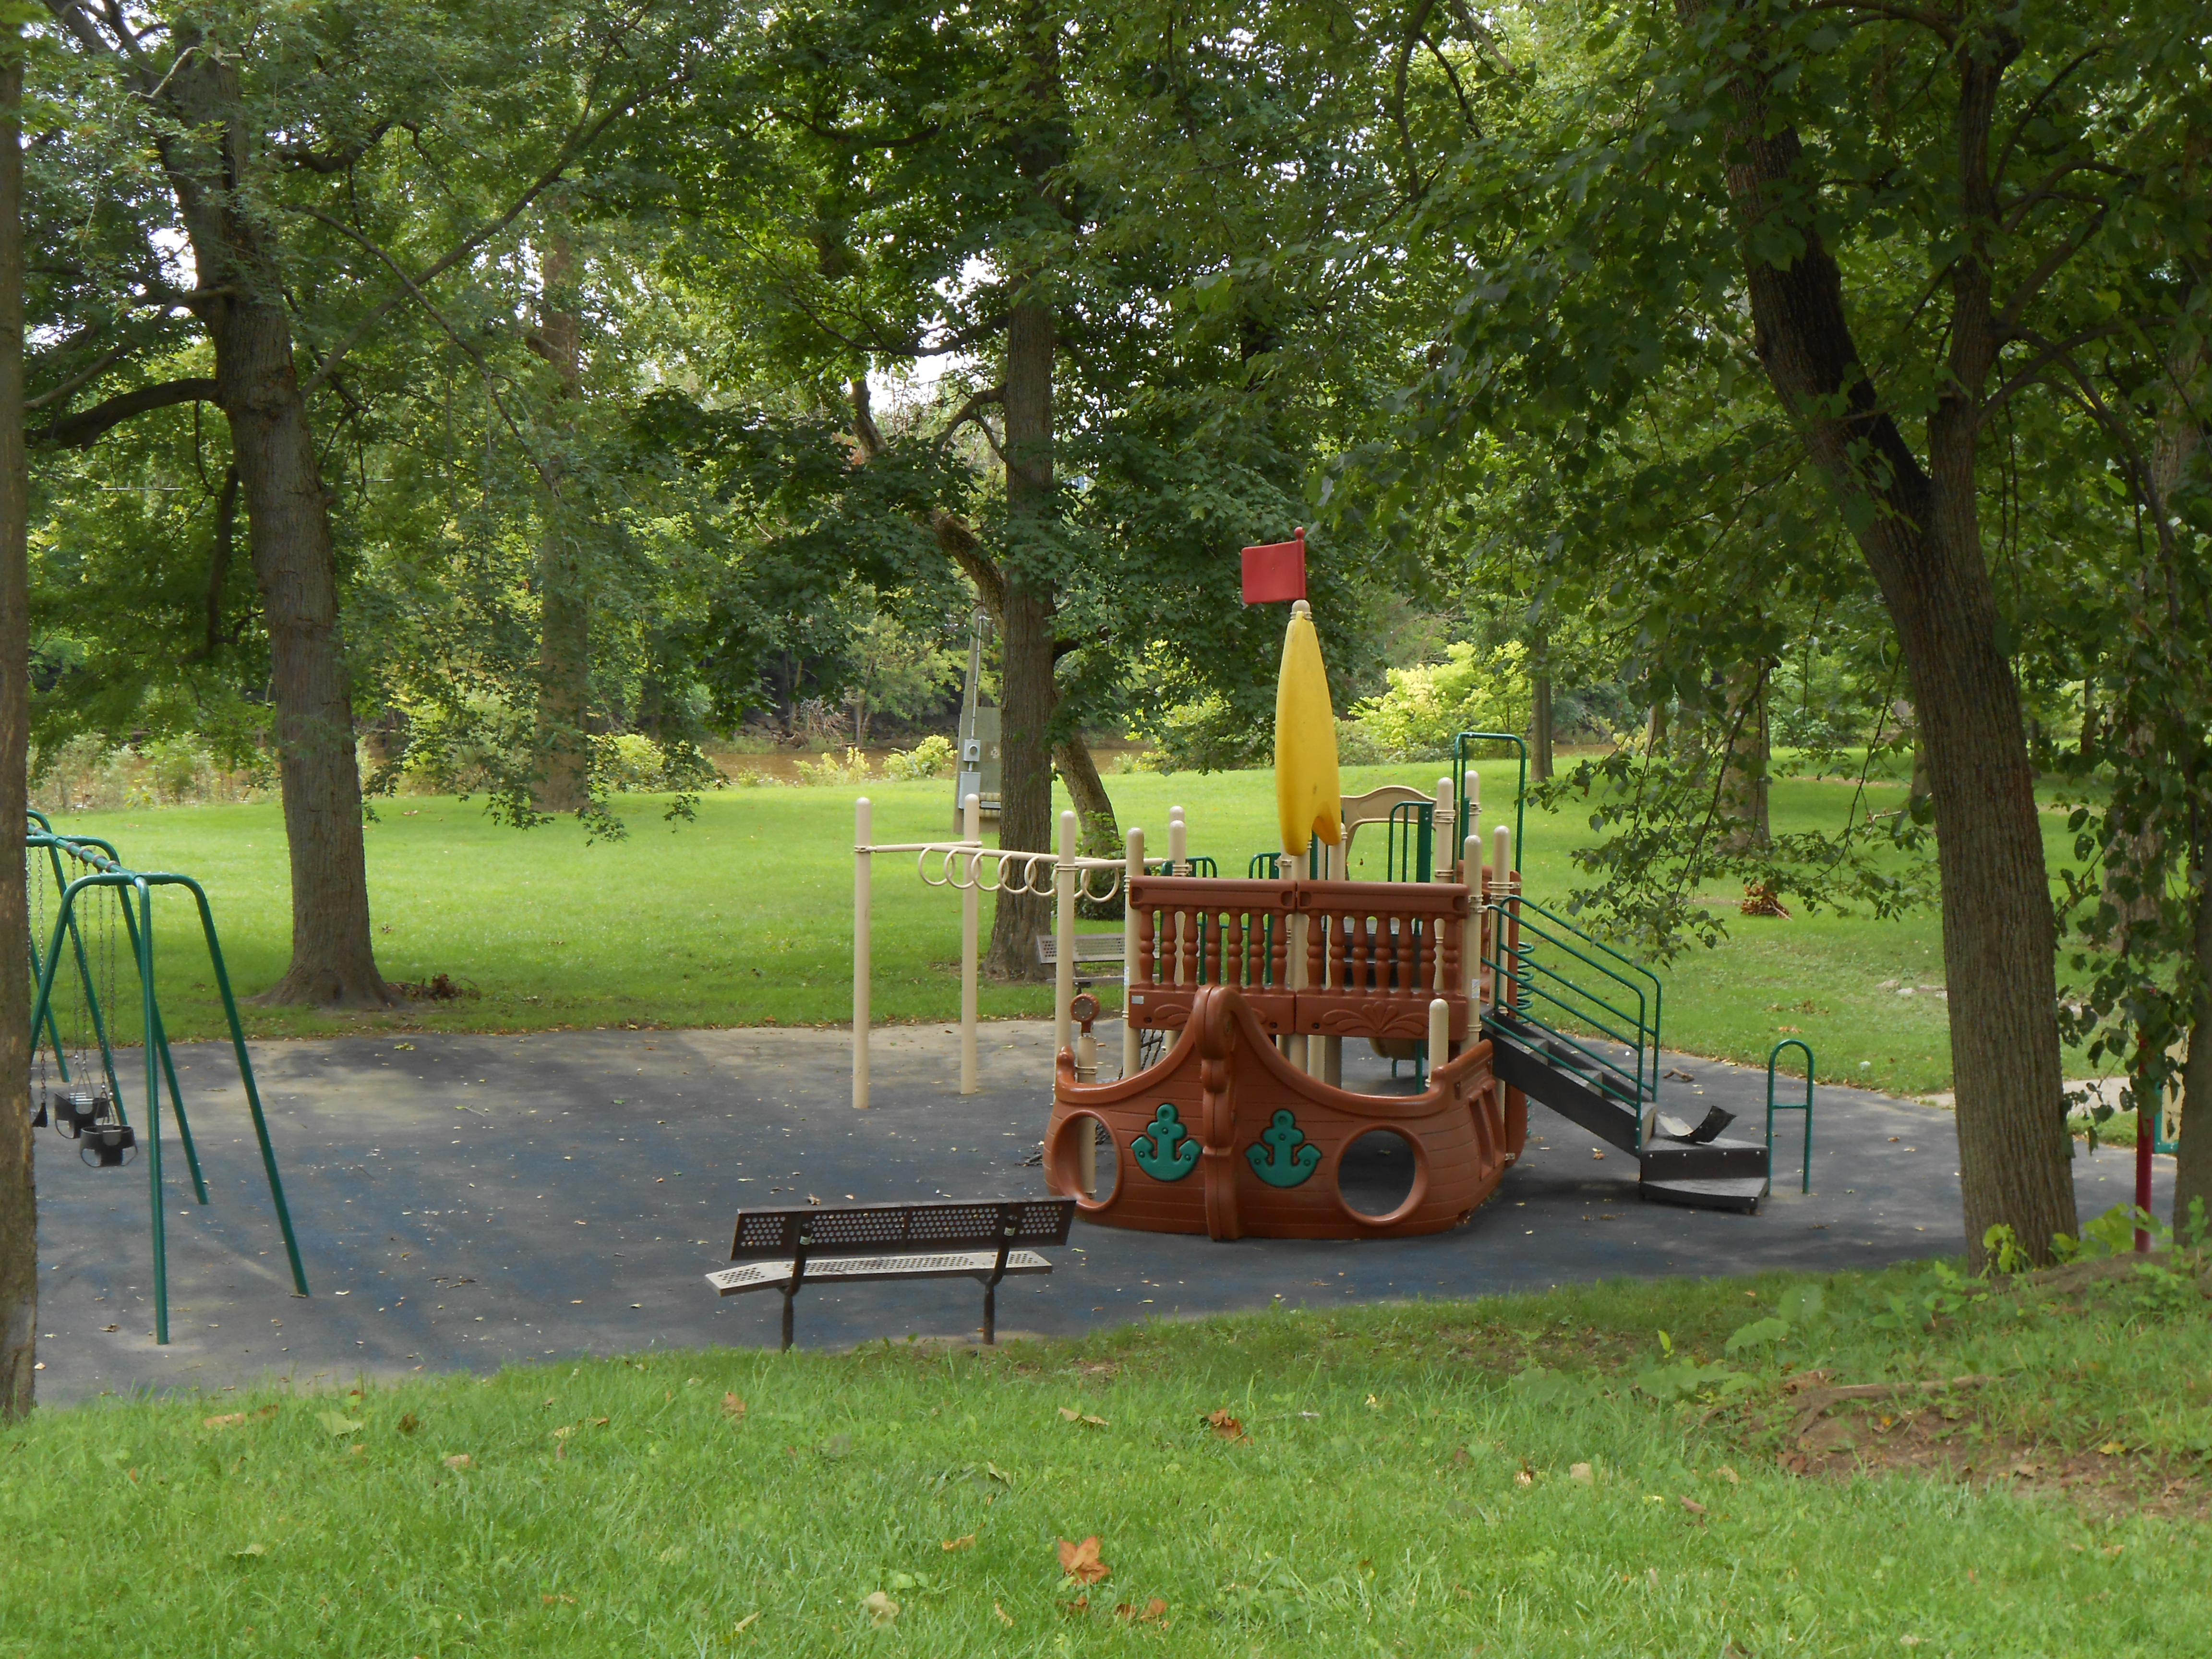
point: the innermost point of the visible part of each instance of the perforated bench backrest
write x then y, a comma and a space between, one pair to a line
951, 1226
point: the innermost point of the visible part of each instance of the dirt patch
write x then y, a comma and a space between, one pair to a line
1949, 1442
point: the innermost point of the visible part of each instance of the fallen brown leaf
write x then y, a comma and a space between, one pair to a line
409, 1423
1226, 1425
226, 1421
1080, 1561
460, 1460
570, 1599
1524, 1476
733, 1408
1581, 1472
1693, 1506
1068, 1416
1080, 1604
1004, 1618
1727, 1474
966, 1542
1150, 1615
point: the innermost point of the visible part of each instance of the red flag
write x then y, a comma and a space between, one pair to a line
1276, 571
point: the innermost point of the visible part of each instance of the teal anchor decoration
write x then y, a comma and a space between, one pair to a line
1167, 1153
1287, 1163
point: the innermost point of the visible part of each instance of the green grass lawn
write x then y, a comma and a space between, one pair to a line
1607, 1470
743, 917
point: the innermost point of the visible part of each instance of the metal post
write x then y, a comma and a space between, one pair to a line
1329, 1062
1441, 839
1133, 867
246, 1080
1471, 803
1294, 1046
971, 826
1063, 931
863, 834
1178, 865
1470, 943
153, 1106
160, 1039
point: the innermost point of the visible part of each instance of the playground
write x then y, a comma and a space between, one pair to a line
1386, 1179
1426, 1064
470, 1202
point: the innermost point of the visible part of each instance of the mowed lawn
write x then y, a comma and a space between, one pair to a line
1618, 1469
744, 917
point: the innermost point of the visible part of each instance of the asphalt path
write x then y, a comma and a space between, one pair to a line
464, 1203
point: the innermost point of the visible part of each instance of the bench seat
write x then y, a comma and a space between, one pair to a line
775, 1250
964, 1264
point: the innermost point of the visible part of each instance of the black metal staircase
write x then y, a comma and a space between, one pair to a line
1575, 1026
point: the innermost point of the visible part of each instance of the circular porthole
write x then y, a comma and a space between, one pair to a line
1381, 1177
1064, 1150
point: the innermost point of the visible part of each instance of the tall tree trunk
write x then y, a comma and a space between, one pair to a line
1743, 794
1540, 714
1028, 696
19, 1198
1094, 810
287, 512
2179, 451
564, 782
1918, 530
2192, 1171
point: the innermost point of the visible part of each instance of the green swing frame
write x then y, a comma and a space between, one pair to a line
135, 891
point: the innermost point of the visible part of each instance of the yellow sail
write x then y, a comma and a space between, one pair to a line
1309, 797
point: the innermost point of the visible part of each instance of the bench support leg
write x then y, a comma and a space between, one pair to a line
787, 1295
991, 1313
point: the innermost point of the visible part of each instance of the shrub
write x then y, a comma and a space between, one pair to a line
831, 771
1356, 746
1426, 707
177, 767
929, 758
630, 763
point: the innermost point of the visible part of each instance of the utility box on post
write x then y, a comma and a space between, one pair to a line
977, 772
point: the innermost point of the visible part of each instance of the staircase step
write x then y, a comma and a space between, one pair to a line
1574, 1095
1740, 1193
1711, 1160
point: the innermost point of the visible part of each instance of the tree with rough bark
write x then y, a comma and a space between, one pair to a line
268, 138
1928, 223
18, 1200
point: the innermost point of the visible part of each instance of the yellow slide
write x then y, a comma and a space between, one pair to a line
1308, 794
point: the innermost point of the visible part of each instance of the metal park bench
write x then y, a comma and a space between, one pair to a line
1101, 948
783, 1250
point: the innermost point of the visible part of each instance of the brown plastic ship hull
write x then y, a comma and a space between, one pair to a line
1225, 1137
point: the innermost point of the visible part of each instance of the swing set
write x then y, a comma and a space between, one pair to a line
99, 905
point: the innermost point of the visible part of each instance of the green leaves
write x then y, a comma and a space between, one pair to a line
1757, 1335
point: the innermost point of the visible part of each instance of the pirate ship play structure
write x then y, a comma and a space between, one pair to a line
1241, 1128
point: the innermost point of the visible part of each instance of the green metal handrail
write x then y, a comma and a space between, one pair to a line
1191, 866
1409, 844
1532, 979
1805, 1183
107, 871
1520, 791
